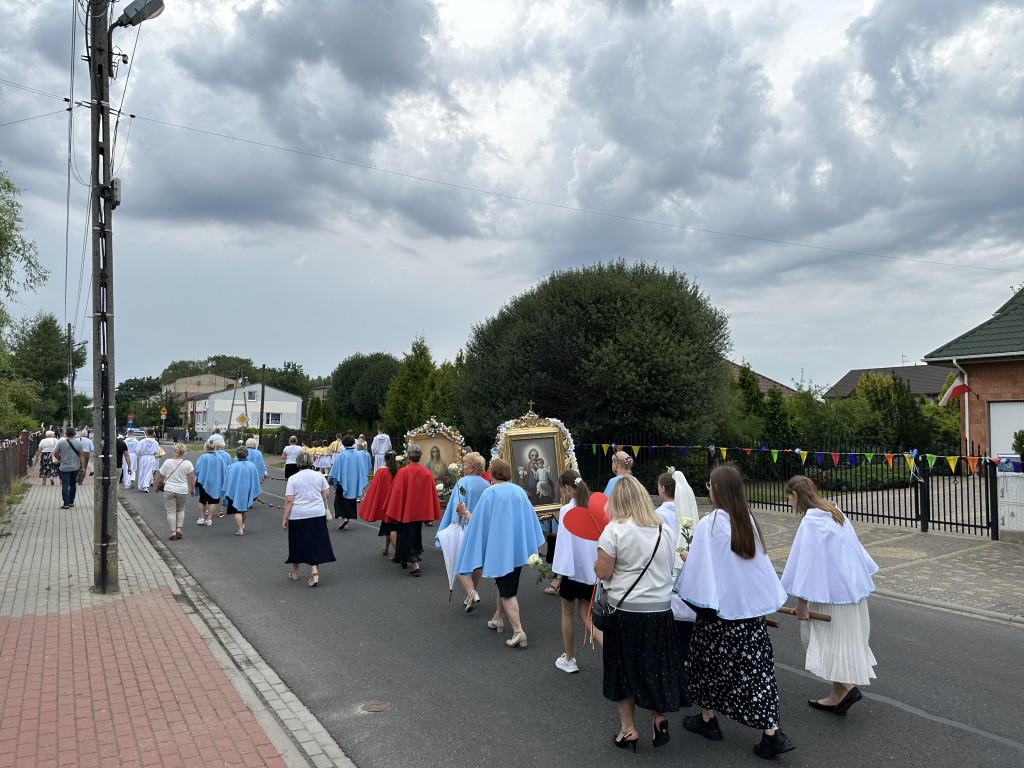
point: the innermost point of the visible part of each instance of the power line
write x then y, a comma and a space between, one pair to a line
32, 90
127, 79
36, 117
562, 206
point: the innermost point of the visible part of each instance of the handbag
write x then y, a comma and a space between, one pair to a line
160, 479
601, 614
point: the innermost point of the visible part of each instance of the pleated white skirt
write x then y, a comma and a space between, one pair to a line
838, 650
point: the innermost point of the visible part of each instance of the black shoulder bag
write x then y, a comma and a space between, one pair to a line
601, 614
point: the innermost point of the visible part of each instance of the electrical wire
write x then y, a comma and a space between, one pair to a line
67, 194
124, 92
36, 117
32, 90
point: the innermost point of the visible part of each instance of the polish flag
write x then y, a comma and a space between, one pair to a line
956, 388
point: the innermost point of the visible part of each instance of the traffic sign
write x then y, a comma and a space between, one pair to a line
163, 411
130, 417
242, 418
163, 417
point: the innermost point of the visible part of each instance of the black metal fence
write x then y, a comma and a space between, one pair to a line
909, 489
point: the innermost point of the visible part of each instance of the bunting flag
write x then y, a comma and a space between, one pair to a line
853, 459
723, 450
748, 450
910, 460
650, 450
593, 449
952, 462
835, 459
636, 451
972, 462
931, 459
888, 458
818, 456
682, 450
869, 457
605, 446
775, 456
803, 456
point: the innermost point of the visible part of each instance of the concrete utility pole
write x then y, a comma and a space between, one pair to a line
105, 570
71, 380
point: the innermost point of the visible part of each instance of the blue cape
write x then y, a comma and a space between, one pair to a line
502, 533
257, 458
224, 456
367, 462
611, 484
474, 485
210, 474
242, 485
349, 471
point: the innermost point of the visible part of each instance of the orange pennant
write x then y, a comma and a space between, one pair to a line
888, 458
972, 462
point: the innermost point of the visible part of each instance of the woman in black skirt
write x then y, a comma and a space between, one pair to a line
305, 519
641, 664
731, 584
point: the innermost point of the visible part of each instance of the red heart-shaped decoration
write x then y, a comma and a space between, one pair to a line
588, 522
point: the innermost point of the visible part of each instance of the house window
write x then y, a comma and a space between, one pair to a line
251, 395
272, 418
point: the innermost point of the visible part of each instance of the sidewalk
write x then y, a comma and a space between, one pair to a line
151, 676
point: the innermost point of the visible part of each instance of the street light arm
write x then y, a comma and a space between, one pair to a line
139, 11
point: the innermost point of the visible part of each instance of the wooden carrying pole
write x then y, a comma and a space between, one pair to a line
815, 616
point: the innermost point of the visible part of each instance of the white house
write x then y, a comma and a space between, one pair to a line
240, 406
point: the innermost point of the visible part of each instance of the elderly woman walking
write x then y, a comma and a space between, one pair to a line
209, 486
47, 469
178, 482
635, 554
305, 519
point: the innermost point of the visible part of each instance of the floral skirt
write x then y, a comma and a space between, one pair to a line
46, 467
732, 670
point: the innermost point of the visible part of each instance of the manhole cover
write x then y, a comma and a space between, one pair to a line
376, 706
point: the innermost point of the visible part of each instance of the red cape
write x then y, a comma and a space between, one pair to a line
413, 496
375, 501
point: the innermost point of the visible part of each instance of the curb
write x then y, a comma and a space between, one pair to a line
293, 730
927, 601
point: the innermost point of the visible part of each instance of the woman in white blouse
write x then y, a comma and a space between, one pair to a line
305, 519
47, 469
830, 572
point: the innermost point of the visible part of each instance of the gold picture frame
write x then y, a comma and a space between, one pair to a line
537, 451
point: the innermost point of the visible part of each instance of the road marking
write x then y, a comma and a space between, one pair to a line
911, 709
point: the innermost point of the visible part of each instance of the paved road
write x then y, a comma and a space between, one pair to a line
950, 692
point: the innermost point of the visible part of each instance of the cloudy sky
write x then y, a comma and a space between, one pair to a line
843, 179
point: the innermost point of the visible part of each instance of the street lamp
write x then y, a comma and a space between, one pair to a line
104, 200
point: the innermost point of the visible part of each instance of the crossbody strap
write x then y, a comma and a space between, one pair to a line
656, 545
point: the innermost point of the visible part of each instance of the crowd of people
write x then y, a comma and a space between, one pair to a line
686, 597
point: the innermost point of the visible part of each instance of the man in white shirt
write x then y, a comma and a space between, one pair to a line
87, 449
216, 436
381, 444
148, 448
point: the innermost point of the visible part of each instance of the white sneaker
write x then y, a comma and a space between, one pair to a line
566, 665
208, 522
200, 521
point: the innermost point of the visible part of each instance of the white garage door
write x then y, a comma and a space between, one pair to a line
1004, 418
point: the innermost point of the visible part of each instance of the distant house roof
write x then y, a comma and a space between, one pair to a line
925, 380
763, 382
1001, 336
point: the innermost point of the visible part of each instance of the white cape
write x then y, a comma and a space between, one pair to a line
828, 564
715, 577
574, 557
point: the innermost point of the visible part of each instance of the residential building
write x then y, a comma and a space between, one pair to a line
204, 382
224, 407
923, 380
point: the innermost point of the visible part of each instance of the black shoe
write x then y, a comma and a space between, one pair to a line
661, 733
624, 743
707, 728
848, 701
415, 572
770, 746
815, 704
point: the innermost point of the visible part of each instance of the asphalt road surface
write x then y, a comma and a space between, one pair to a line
950, 687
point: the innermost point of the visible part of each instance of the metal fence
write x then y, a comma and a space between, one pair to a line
912, 490
14, 458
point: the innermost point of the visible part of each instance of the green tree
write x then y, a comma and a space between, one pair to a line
289, 378
20, 269
901, 423
405, 405
610, 349
179, 369
39, 352
359, 386
777, 427
442, 392
131, 393
738, 426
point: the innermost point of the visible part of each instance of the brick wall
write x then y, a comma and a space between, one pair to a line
990, 381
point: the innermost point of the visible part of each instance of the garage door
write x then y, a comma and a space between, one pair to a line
1004, 418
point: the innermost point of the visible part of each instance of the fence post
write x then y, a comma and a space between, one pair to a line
23, 439
711, 463
992, 480
925, 495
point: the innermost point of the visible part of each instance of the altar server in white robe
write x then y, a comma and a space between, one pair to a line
132, 442
829, 572
148, 449
381, 444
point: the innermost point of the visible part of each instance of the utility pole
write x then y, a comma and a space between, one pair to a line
105, 568
71, 379
263, 395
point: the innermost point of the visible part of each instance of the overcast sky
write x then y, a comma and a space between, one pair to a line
893, 128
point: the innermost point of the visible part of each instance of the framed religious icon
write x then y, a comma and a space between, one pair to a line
538, 450
442, 448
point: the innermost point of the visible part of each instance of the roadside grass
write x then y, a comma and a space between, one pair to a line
12, 499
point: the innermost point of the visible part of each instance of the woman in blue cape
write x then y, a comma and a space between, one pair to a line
256, 456
209, 483
502, 534
464, 498
241, 487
